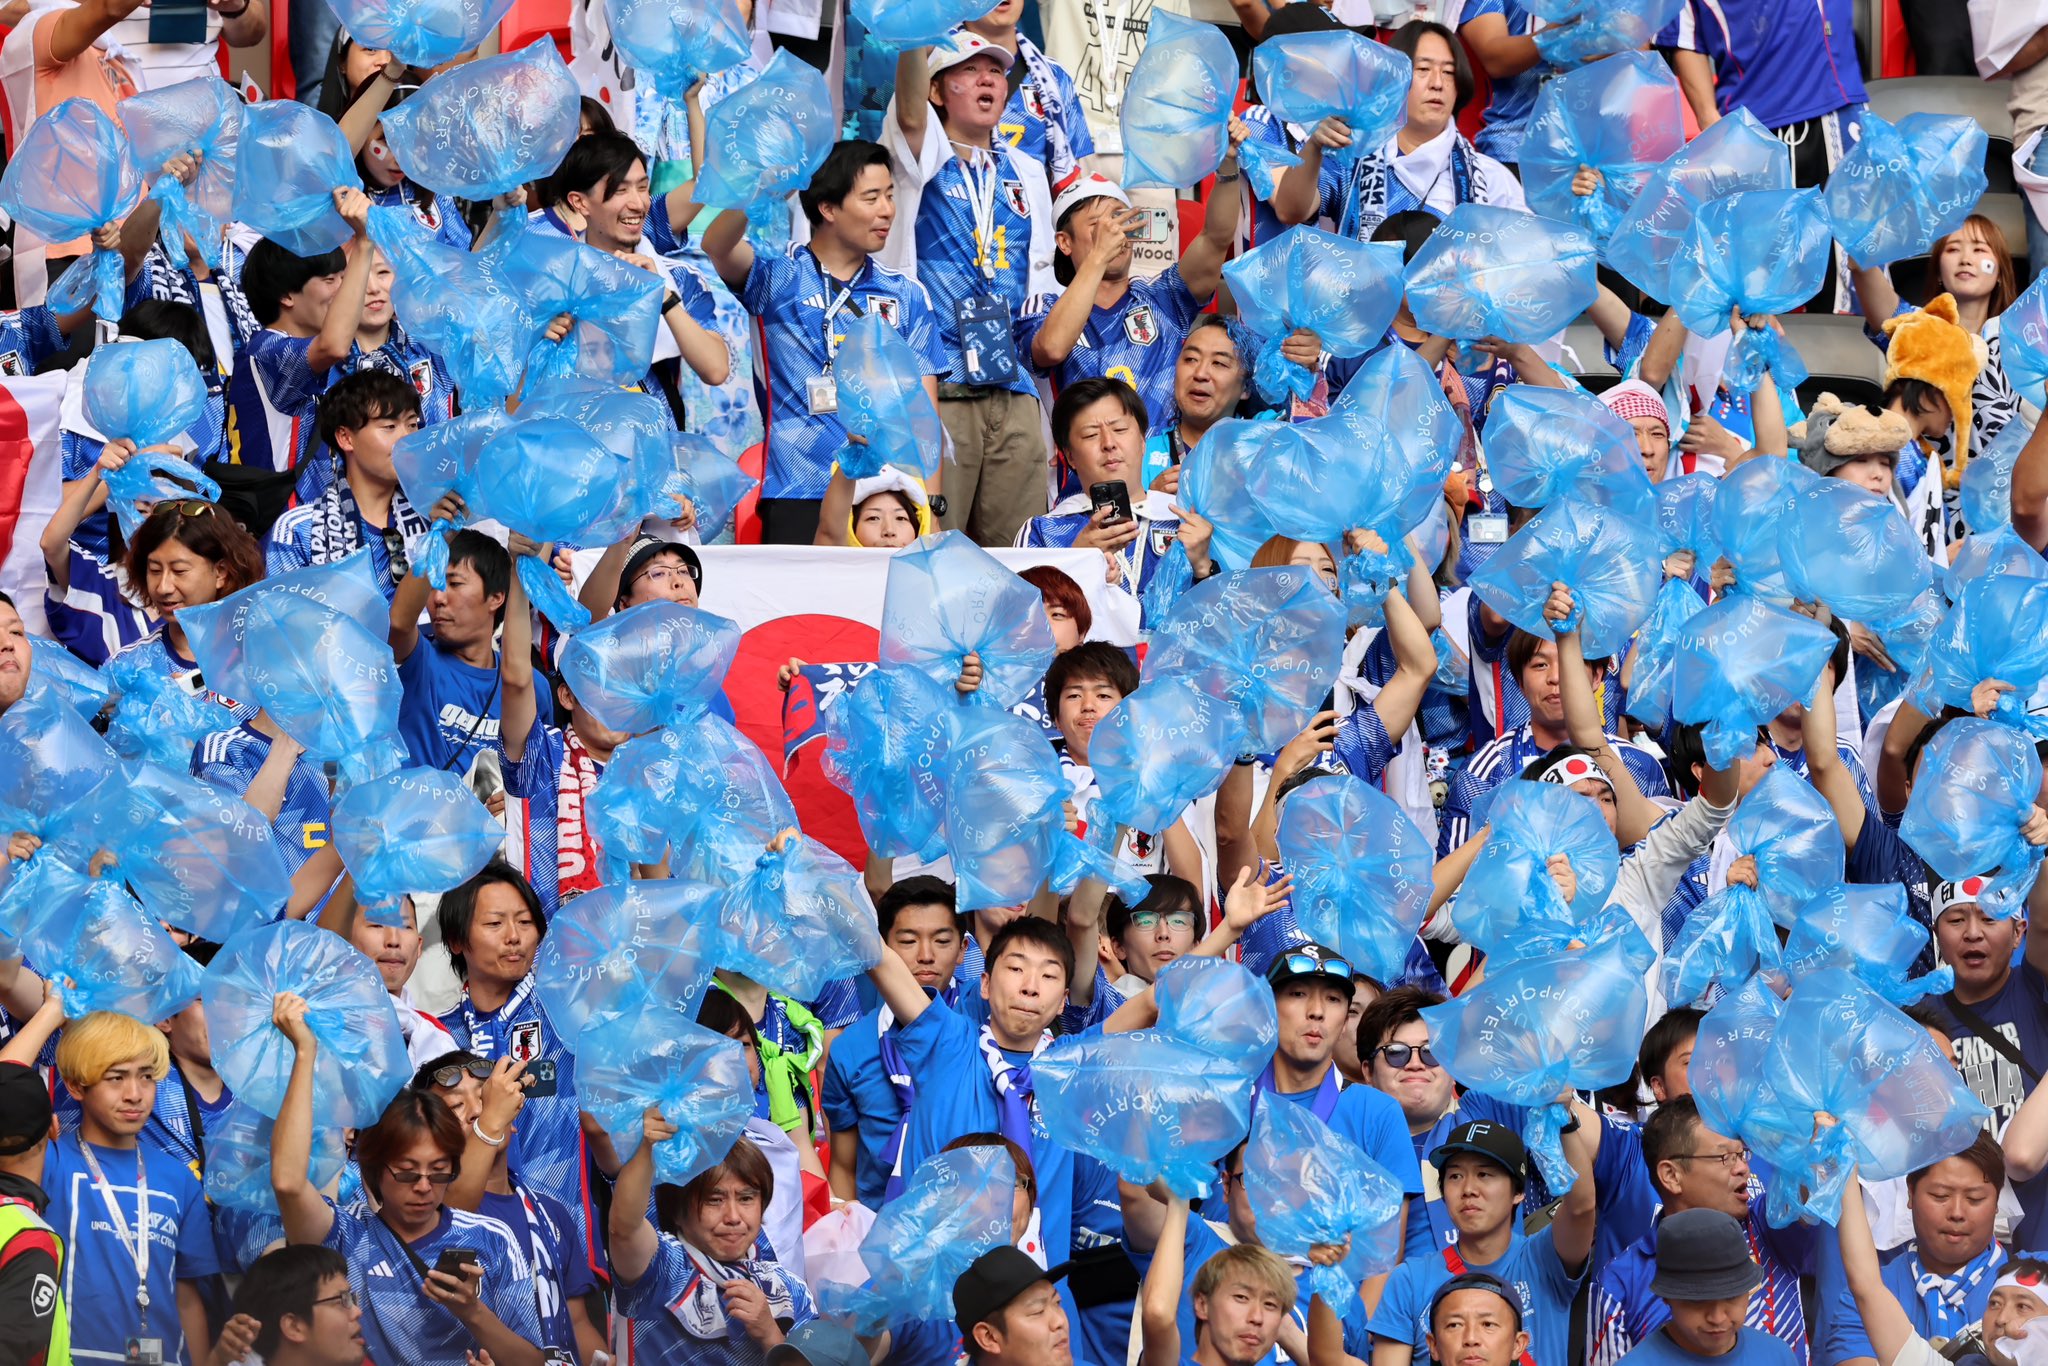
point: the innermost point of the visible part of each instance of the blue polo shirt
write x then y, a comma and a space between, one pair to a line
859, 1099
1530, 1265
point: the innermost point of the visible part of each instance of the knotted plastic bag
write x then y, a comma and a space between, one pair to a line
1685, 516
459, 305
1750, 509
1002, 789
52, 765
1974, 789
1901, 188
635, 427
72, 173
1991, 554
1848, 548
147, 478
1269, 640
1986, 487
1311, 1187
551, 480
1212, 483
799, 920
898, 24
1656, 650
1489, 271
1308, 77
1998, 629
947, 598
1620, 117
615, 304
1395, 435
1609, 559
625, 949
1177, 104
51, 665
94, 939
884, 734
675, 42
1148, 1106
1763, 251
361, 1063
1361, 872
696, 1078
425, 33
412, 830
1869, 932
153, 717
1168, 744
202, 116
701, 787
487, 127
1791, 831
1546, 444
1737, 153
1509, 900
145, 392
649, 665
438, 460
763, 142
712, 480
1578, 31
1346, 292
882, 400
289, 162
1545, 1023
956, 1206
1728, 939
238, 1158
1738, 664
1217, 1006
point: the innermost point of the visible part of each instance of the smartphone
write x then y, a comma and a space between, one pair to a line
1112, 494
453, 1259
542, 1072
177, 21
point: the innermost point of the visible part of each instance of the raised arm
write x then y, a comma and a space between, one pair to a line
1201, 265
2030, 489
504, 1096
338, 330
1159, 1298
521, 707
1572, 1228
634, 1240
307, 1215
1502, 53
1298, 196
26, 1045
1884, 1320
1414, 667
1634, 813
913, 96
1824, 767
74, 30
1666, 349
725, 242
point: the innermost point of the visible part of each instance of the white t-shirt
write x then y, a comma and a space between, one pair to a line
157, 65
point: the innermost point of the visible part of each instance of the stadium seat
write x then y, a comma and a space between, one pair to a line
1839, 358
1586, 357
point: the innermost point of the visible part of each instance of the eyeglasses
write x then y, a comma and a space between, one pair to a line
1308, 965
1398, 1054
451, 1075
346, 1299
1175, 920
1727, 1159
402, 1177
665, 575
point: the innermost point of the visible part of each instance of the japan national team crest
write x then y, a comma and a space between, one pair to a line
524, 1045
889, 309
1140, 326
1013, 195
422, 376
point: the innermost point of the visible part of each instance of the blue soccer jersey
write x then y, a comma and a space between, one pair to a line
433, 216
666, 1300
229, 759
1137, 340
1044, 119
424, 370
548, 798
273, 400
388, 1276
28, 337
1269, 130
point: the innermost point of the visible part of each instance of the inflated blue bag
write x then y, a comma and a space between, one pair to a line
1622, 118
487, 127
1656, 651
1288, 473
1002, 788
108, 954
883, 401
1791, 831
1900, 188
1848, 548
1737, 153
1345, 292
1489, 271
1310, 1187
361, 1063
147, 478
1869, 932
615, 304
677, 42
551, 480
1908, 639
635, 427
1308, 77
1738, 664
2023, 352
425, 33
1395, 435
412, 830
1509, 901
947, 598
1998, 628
1725, 941
956, 1206
660, 1058
702, 787
1269, 640
1750, 509
238, 1158
897, 24
1168, 744
649, 665
1146, 1105
1609, 559
52, 665
1577, 31
763, 142
1220, 1008
1763, 251
146, 392
202, 116
1973, 790
1991, 554
1545, 1023
437, 460
1177, 105
624, 949
1361, 872
1212, 483
884, 734
52, 764
711, 479
800, 919
1545, 444
1986, 486
153, 717
289, 162
459, 305
72, 173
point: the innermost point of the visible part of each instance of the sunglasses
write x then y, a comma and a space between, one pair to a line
1398, 1054
1308, 965
451, 1075
407, 1179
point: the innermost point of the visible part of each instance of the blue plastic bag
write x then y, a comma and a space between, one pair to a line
1854, 551
635, 427
1488, 271
624, 949
550, 479
1763, 251
52, 764
487, 127
1308, 77
1177, 104
702, 787
1509, 901
1998, 628
1311, 1187
1986, 487
648, 665
1212, 483
697, 1079
94, 939
1726, 940
712, 480
1610, 561
616, 306
72, 173
436, 461
1217, 1006
1361, 872
1762, 351
676, 42
1656, 651
1685, 517
1577, 31
1269, 640
147, 478
882, 400
413, 830
800, 919
146, 392
459, 305
1168, 744
1346, 292
1869, 932
763, 142
1002, 789
202, 116
1147, 1105
1974, 788
425, 33
1395, 435
238, 1159
956, 1206
2023, 349
1620, 117
897, 24
884, 734
1546, 444
1737, 153
948, 598
1900, 188
1991, 554
1791, 831
202, 859
51, 665
1750, 509
1738, 664
289, 162
153, 717
361, 1063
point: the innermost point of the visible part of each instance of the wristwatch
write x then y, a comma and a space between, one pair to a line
938, 504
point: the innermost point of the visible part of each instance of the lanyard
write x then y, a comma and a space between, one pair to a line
136, 1244
981, 193
1114, 15
825, 283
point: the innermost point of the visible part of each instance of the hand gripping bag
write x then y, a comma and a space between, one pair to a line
201, 117
72, 173
1975, 787
1739, 663
947, 598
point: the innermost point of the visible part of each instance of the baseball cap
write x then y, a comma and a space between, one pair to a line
962, 46
1702, 1254
643, 552
1960, 893
997, 1276
819, 1342
1310, 960
1474, 1280
1084, 188
1489, 1140
24, 1108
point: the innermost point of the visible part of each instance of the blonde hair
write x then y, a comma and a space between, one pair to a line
1254, 1265
96, 1044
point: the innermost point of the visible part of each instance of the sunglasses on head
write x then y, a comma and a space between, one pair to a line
1308, 965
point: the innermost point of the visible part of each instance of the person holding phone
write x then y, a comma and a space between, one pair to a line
435, 1283
169, 41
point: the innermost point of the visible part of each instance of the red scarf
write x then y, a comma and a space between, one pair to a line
576, 852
